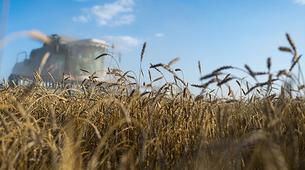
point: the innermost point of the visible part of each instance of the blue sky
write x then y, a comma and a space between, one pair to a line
216, 32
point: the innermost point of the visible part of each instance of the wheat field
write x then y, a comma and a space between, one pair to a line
132, 124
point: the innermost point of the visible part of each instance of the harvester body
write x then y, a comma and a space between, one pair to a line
65, 57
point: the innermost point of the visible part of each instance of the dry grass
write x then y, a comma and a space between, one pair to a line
130, 124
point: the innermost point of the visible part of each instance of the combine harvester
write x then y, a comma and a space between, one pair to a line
61, 57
